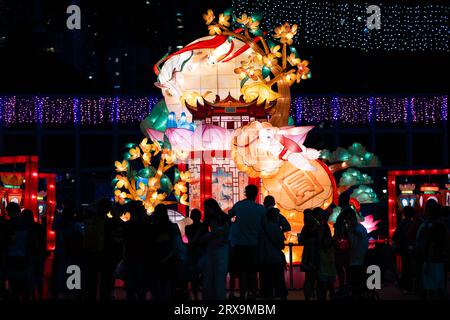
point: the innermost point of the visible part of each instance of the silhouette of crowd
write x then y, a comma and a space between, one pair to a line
243, 247
22, 255
423, 243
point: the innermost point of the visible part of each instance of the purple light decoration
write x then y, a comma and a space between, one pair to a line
9, 111
151, 103
298, 109
76, 111
38, 102
444, 110
2, 102
354, 111
116, 110
335, 109
48, 111
372, 111
101, 107
56, 111
316, 110
427, 110
132, 110
390, 110
26, 111
408, 112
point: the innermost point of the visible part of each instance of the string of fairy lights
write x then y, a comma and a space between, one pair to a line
403, 27
85, 111
48, 111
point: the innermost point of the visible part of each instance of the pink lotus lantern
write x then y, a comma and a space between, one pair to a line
211, 137
155, 135
180, 138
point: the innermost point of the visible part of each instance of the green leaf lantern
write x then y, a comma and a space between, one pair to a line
293, 50
291, 121
166, 185
147, 172
127, 156
270, 44
243, 81
166, 143
265, 72
341, 154
257, 16
326, 154
357, 149
157, 119
355, 161
257, 32
176, 175
364, 194
228, 11
130, 145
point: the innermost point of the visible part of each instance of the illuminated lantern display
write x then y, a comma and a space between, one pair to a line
143, 175
407, 196
224, 123
429, 191
445, 196
11, 188
432, 190
25, 186
42, 204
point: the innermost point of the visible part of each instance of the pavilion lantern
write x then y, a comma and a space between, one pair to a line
445, 196
42, 204
429, 191
11, 190
407, 196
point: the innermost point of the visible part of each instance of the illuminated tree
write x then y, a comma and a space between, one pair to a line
280, 61
148, 173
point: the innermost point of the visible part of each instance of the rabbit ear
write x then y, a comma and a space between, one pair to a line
160, 85
297, 134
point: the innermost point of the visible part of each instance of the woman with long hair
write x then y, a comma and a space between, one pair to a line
217, 222
309, 238
166, 254
196, 250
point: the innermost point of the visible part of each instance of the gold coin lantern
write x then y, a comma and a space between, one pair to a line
297, 190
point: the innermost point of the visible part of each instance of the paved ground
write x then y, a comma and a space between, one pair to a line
387, 292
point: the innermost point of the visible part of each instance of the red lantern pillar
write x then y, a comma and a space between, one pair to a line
31, 184
181, 207
392, 203
51, 207
257, 182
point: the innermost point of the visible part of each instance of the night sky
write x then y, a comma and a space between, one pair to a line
39, 54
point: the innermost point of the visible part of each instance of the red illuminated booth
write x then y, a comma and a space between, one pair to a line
413, 194
23, 188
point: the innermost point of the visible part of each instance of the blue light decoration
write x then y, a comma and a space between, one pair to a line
183, 123
171, 121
